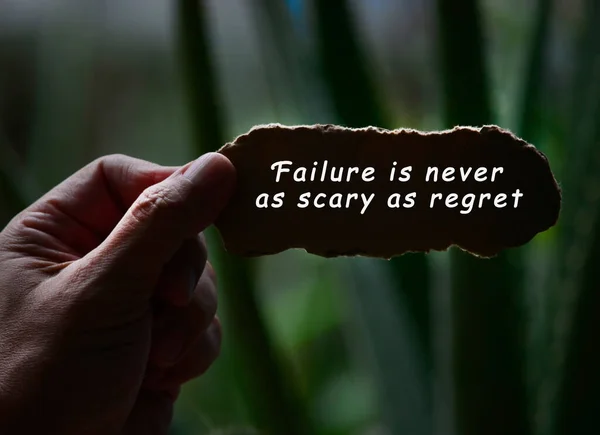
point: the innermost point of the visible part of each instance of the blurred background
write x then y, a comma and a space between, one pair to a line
442, 344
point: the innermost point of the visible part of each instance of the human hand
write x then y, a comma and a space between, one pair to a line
107, 301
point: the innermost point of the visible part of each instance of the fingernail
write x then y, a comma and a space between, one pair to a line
197, 165
201, 169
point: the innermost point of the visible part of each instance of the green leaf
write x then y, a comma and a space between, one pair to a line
384, 339
303, 312
577, 399
488, 365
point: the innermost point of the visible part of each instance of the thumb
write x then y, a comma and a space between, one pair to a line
164, 215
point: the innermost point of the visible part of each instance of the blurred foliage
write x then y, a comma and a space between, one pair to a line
254, 359
490, 392
443, 343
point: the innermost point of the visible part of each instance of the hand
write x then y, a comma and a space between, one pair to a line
107, 301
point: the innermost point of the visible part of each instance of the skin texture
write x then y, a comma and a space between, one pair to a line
107, 300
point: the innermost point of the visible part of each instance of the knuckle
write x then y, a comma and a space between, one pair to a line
149, 203
108, 160
211, 273
116, 157
205, 301
156, 200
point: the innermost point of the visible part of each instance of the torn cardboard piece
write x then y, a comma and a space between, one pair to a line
336, 191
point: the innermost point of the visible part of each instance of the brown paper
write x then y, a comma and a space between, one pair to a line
379, 230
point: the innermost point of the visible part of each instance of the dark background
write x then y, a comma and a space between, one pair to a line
441, 344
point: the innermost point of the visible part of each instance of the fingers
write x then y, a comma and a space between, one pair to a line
199, 357
195, 362
152, 413
181, 274
187, 334
176, 328
165, 215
